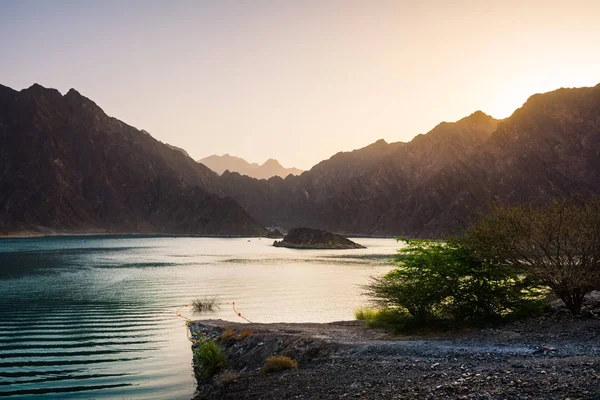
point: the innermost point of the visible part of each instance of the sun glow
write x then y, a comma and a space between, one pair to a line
511, 95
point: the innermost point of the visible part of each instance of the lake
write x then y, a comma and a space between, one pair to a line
95, 317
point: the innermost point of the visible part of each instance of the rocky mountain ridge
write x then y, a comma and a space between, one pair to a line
65, 166
439, 182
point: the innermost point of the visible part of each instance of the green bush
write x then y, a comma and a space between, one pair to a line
208, 358
391, 319
444, 281
365, 314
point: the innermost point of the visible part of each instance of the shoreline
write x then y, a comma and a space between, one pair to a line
120, 235
33, 235
553, 356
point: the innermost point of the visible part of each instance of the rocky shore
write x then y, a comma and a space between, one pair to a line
556, 356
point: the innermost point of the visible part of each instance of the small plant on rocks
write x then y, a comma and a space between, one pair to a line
246, 333
226, 335
279, 363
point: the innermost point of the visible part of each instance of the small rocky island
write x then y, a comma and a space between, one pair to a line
308, 238
274, 233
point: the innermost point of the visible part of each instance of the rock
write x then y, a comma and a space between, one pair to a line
545, 350
308, 238
592, 300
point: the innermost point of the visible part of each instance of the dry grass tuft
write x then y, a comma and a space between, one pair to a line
205, 304
246, 333
226, 335
279, 363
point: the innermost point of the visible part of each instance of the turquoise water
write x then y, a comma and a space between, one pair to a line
95, 317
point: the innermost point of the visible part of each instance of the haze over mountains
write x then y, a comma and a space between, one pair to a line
65, 166
268, 169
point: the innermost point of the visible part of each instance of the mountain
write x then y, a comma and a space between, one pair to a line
439, 182
548, 148
355, 192
226, 162
65, 166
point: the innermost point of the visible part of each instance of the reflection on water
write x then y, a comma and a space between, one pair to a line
95, 316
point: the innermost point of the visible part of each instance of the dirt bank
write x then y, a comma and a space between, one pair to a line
552, 357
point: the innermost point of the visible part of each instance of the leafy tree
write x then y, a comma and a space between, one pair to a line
558, 244
443, 280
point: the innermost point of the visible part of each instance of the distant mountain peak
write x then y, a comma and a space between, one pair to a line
36, 86
271, 162
480, 115
73, 92
230, 163
38, 90
76, 99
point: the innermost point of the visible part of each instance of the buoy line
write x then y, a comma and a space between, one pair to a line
187, 320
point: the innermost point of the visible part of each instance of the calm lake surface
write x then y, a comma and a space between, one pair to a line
95, 317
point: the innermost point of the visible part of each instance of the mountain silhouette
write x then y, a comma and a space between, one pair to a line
67, 167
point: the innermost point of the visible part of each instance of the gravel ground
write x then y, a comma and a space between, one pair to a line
556, 356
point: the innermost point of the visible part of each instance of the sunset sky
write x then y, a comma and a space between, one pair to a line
299, 81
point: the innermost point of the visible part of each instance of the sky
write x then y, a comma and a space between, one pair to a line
298, 80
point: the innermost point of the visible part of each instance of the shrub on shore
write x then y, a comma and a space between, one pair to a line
443, 282
209, 359
365, 313
387, 318
503, 267
279, 363
203, 304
